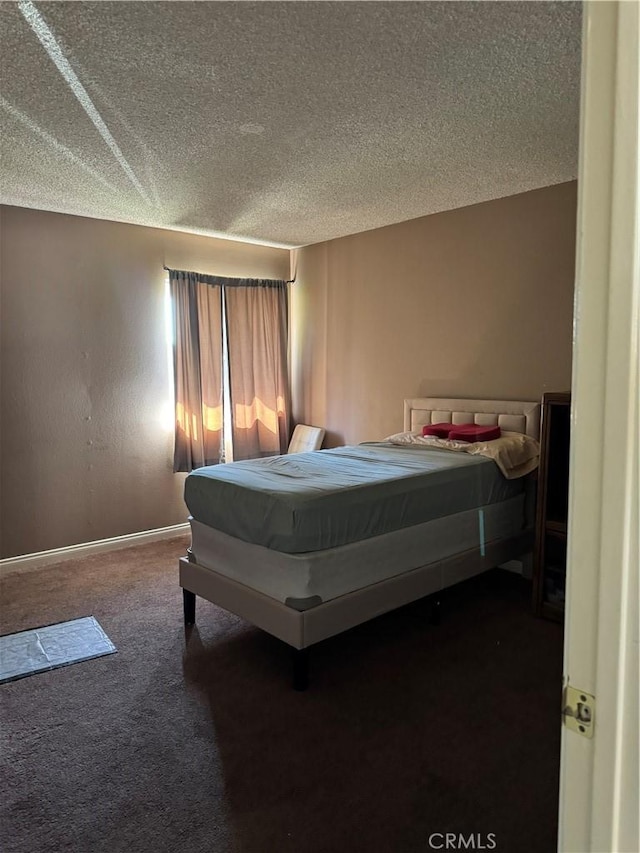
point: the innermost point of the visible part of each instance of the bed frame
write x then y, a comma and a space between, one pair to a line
301, 629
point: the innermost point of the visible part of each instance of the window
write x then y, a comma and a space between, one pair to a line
229, 345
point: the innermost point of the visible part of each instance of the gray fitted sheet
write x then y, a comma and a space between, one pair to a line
324, 499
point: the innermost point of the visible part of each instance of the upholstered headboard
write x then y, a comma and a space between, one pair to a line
510, 415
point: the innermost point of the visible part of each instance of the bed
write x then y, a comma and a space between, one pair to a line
307, 546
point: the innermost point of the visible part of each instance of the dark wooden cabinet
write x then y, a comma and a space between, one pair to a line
550, 551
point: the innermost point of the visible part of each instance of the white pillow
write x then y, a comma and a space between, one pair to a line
514, 453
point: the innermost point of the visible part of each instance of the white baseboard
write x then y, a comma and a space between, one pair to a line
28, 562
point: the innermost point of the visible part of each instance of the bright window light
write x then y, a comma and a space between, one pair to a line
167, 410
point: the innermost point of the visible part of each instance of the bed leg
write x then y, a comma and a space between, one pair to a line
300, 669
434, 615
189, 603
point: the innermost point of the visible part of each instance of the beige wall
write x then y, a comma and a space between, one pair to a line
86, 453
475, 302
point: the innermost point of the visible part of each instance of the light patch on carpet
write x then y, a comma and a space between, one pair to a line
42, 649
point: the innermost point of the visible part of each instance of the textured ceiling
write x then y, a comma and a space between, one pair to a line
288, 123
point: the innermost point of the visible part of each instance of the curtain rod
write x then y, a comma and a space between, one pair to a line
206, 275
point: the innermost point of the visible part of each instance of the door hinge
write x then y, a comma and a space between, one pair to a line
578, 710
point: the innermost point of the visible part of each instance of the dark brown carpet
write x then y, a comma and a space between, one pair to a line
200, 744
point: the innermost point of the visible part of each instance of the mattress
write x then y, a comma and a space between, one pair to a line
326, 499
323, 575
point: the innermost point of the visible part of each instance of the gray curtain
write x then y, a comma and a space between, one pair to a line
197, 370
257, 340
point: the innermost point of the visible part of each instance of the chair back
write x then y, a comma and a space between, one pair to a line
306, 438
